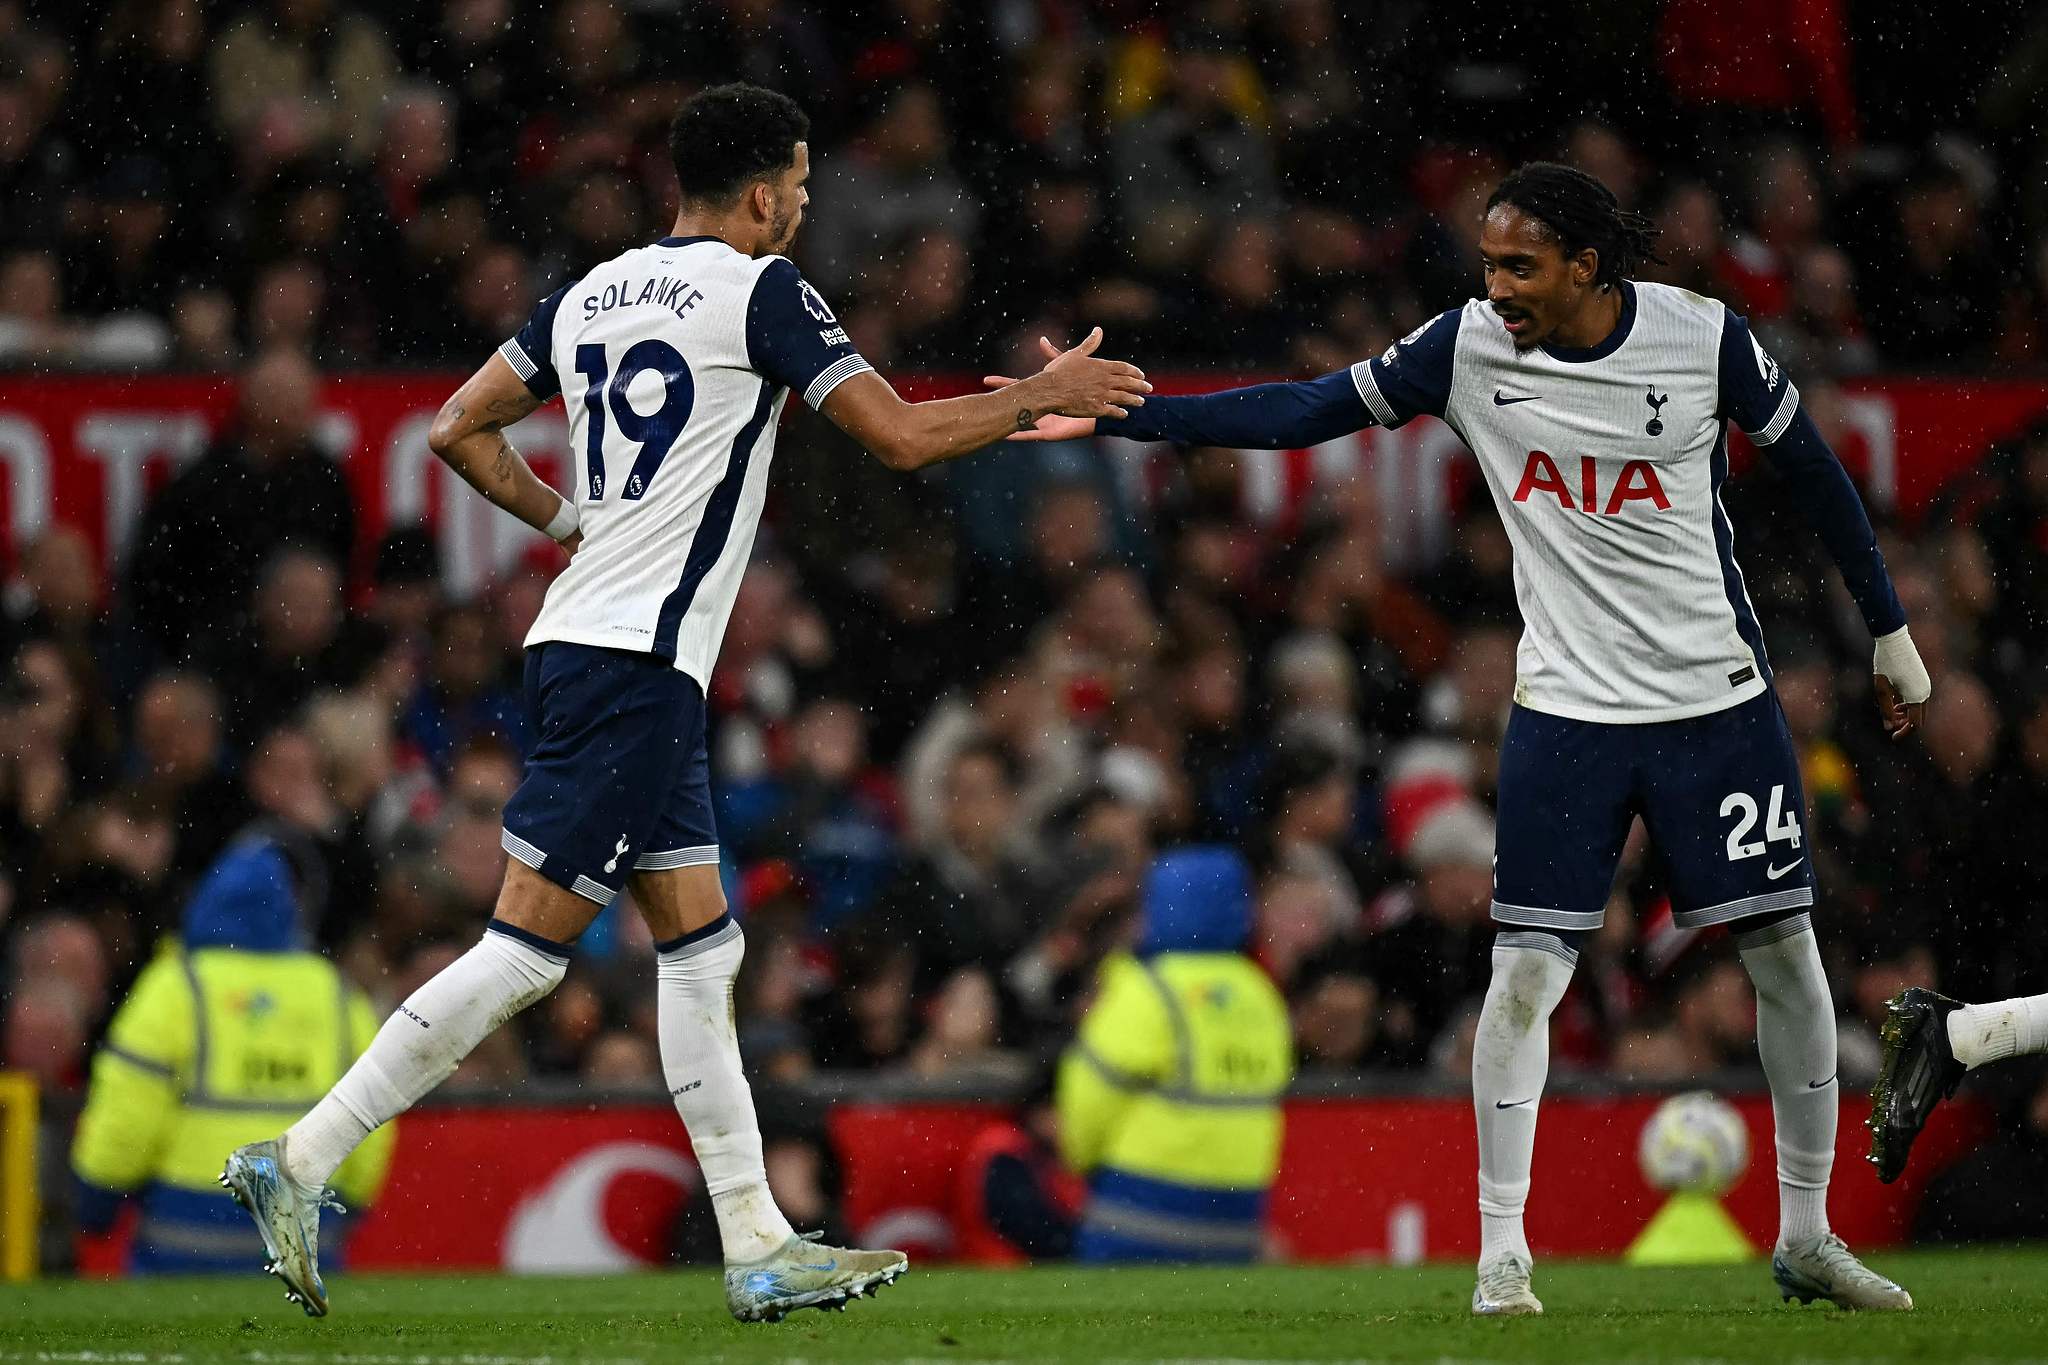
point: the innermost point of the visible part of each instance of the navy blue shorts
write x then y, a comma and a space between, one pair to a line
1719, 794
618, 780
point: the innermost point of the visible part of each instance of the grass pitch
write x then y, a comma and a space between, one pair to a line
1989, 1305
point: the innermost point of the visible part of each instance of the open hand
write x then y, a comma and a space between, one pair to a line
1074, 389
1051, 427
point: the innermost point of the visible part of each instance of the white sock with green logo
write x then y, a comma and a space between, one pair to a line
700, 1056
1510, 1062
1795, 1036
2005, 1028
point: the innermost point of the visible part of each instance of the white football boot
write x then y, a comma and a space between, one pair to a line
1823, 1267
1503, 1288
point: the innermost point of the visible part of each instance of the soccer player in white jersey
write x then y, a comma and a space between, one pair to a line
1597, 407
673, 361
1930, 1043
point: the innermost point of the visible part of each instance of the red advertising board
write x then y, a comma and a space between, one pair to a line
593, 1188
88, 450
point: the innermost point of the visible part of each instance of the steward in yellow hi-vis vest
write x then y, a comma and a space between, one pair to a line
233, 1030
1169, 1099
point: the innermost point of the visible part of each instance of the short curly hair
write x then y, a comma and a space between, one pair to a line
728, 136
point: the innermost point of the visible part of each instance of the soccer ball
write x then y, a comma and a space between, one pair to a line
1695, 1143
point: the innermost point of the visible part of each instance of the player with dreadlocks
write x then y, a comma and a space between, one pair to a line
1598, 408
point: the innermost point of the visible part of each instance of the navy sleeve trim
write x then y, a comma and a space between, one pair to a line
531, 352
1756, 393
793, 337
1833, 507
1260, 417
1414, 376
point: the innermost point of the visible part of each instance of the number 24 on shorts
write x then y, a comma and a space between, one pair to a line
1780, 824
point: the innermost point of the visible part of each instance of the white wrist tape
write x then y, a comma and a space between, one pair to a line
1897, 659
566, 522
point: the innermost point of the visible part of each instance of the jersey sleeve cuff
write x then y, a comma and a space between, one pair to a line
1788, 408
832, 376
522, 365
1369, 391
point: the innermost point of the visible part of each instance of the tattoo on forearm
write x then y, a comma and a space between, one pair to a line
507, 461
1025, 421
505, 411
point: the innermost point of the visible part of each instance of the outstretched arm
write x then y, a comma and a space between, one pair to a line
1077, 384
1258, 417
1411, 378
468, 433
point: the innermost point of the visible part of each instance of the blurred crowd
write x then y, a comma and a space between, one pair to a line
948, 737
1250, 184
943, 758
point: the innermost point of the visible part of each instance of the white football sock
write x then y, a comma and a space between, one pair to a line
700, 1056
1510, 1062
2006, 1028
422, 1043
1795, 1036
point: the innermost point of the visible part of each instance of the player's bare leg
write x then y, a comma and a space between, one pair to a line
1510, 1063
521, 957
1795, 1034
1930, 1041
770, 1271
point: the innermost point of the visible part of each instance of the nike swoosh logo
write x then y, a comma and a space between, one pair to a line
1816, 1085
1500, 402
1513, 1104
828, 1267
1776, 872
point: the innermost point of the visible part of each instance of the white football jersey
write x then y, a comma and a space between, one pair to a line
1606, 463
673, 361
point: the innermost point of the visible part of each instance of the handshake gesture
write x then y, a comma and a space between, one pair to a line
1062, 401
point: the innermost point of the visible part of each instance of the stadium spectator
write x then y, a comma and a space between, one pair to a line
1431, 938
962, 1025
1337, 1012
464, 694
1930, 290
1013, 1202
1191, 135
229, 1026
891, 183
1169, 1098
292, 645
1308, 796
827, 810
58, 979
332, 63
968, 896
262, 486
178, 737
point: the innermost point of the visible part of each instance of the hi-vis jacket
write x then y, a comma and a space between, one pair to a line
1170, 1099
217, 1046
